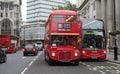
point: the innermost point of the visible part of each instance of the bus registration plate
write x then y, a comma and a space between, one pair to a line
4, 49
94, 57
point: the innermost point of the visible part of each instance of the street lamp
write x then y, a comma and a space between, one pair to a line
115, 40
24, 35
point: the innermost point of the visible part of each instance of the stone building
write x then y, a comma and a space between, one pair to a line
10, 17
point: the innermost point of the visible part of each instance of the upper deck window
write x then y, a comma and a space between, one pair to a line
58, 18
61, 18
70, 19
3, 36
92, 24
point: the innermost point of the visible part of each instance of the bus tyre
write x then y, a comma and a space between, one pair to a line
45, 58
101, 60
5, 59
35, 54
76, 63
50, 62
24, 54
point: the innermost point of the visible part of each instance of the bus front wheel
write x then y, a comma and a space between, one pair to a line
50, 61
76, 62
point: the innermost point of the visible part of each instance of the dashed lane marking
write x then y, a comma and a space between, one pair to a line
24, 70
24, 57
113, 63
31, 62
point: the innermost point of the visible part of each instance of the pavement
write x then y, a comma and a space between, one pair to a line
110, 57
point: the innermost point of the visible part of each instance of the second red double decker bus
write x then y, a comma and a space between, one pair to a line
93, 39
8, 43
61, 37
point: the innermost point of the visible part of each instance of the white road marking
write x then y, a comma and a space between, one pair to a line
24, 70
103, 69
31, 62
102, 72
24, 57
113, 63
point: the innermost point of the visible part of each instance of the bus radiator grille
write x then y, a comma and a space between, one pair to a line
64, 56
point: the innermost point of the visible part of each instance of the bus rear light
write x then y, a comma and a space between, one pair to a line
74, 47
23, 50
104, 52
33, 49
8, 47
83, 52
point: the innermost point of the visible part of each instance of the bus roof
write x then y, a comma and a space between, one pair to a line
63, 12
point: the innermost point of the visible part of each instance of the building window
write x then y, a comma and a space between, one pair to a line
6, 15
6, 5
1, 14
6, 27
11, 6
94, 6
11, 14
2, 5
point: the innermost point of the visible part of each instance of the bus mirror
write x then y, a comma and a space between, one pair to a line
48, 38
79, 40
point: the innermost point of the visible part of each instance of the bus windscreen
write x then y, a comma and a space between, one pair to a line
92, 24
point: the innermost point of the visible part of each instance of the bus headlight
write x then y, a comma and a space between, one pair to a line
76, 54
53, 54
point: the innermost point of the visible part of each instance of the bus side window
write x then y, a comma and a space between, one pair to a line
12, 45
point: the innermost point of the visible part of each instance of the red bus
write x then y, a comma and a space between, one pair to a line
93, 39
8, 43
61, 37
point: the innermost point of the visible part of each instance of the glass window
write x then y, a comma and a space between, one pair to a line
1, 14
11, 14
3, 36
70, 19
11, 5
93, 39
6, 14
2, 5
6, 5
63, 40
92, 24
29, 46
58, 18
93, 42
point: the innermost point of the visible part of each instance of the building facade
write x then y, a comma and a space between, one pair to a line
103, 9
39, 10
32, 33
10, 17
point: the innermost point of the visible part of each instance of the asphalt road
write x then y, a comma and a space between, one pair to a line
17, 64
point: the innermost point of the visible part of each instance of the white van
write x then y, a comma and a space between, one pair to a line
40, 45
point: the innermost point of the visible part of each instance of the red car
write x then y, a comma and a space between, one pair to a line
30, 49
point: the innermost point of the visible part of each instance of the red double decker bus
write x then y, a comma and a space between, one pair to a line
8, 43
61, 37
93, 39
